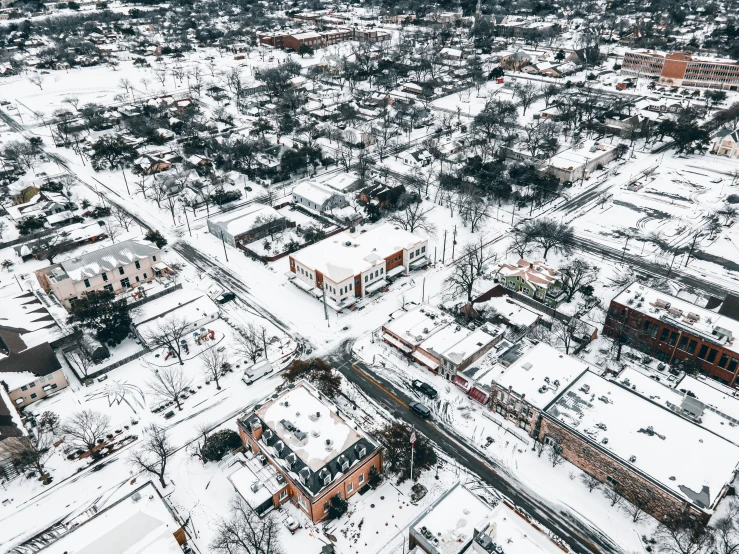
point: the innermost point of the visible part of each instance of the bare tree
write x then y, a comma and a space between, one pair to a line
590, 482
554, 453
520, 244
123, 218
142, 186
31, 451
577, 273
250, 342
112, 229
161, 74
468, 269
636, 508
168, 334
548, 234
86, 429
36, 79
612, 495
525, 93
169, 383
154, 453
72, 101
725, 529
214, 361
412, 216
246, 533
683, 537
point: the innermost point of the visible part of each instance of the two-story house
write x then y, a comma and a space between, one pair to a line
115, 268
534, 279
726, 143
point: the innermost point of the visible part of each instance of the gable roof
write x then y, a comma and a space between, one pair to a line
106, 259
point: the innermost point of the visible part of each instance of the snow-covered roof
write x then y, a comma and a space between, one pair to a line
471, 344
106, 259
191, 312
586, 152
681, 456
348, 254
723, 399
541, 374
140, 523
510, 310
696, 320
325, 436
243, 220
415, 326
692, 407
164, 305
537, 272
452, 521
314, 192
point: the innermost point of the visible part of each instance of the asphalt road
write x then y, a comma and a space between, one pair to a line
578, 535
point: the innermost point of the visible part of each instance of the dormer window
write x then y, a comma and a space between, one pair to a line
327, 479
303, 475
279, 445
344, 465
361, 450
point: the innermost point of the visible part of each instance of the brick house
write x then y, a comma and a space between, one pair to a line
310, 38
350, 265
668, 465
319, 452
673, 329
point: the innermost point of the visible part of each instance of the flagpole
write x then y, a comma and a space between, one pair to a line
413, 441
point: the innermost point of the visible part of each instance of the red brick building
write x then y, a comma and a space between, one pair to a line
681, 69
673, 329
310, 38
319, 453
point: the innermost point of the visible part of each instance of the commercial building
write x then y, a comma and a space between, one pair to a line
460, 522
114, 268
247, 224
673, 329
317, 450
350, 265
581, 160
656, 459
680, 69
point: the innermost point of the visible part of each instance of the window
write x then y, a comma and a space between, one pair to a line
24, 387
365, 278
154, 258
611, 482
712, 356
647, 325
33, 395
137, 279
302, 503
138, 265
664, 335
723, 361
673, 338
87, 283
108, 288
120, 270
125, 283
549, 440
412, 254
423, 249
702, 352
691, 346
283, 495
732, 365
31, 385
418, 251
655, 330
683, 343
105, 276
361, 478
350, 487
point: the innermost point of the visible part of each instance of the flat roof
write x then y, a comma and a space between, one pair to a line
299, 407
245, 219
682, 314
416, 325
722, 398
453, 519
140, 523
692, 407
164, 304
510, 310
683, 457
576, 157
468, 346
243, 479
190, 312
515, 534
348, 254
541, 374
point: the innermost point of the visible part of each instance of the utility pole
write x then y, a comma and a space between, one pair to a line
224, 246
413, 443
454, 241
325, 309
443, 252
126, 181
669, 271
423, 290
184, 209
264, 342
623, 254
692, 246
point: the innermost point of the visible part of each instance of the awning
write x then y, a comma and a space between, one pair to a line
310, 289
377, 285
418, 262
425, 359
395, 271
396, 343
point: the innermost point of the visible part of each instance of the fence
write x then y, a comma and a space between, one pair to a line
98, 372
154, 296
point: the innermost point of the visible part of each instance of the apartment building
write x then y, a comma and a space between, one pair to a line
349, 266
115, 268
317, 452
673, 329
679, 69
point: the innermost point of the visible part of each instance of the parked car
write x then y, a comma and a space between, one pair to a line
292, 525
425, 388
420, 409
225, 297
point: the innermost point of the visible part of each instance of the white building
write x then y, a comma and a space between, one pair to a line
317, 198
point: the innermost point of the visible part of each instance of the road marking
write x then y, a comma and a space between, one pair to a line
378, 385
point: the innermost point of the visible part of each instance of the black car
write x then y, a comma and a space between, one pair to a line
425, 388
420, 409
225, 297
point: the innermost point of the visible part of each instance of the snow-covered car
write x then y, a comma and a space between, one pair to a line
425, 388
292, 525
